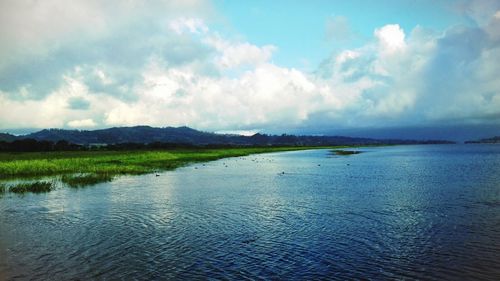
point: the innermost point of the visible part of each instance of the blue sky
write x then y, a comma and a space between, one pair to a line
298, 27
251, 66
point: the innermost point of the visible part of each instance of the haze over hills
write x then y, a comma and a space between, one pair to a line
186, 135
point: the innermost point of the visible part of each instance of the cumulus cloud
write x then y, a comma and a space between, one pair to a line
236, 54
391, 38
149, 66
425, 77
44, 41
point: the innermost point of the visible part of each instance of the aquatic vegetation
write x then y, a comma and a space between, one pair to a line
81, 180
83, 168
34, 187
346, 152
3, 188
25, 164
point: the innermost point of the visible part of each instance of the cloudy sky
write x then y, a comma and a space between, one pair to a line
247, 66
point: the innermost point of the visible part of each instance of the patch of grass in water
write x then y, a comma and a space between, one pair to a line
3, 189
34, 164
81, 180
346, 152
34, 187
83, 168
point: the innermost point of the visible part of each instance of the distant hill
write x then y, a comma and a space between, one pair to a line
137, 134
488, 140
186, 135
7, 137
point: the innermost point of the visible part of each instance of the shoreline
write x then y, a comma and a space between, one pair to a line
80, 169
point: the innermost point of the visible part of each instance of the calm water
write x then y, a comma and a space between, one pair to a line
428, 212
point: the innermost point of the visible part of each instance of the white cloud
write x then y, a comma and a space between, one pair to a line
346, 55
239, 132
192, 25
105, 79
184, 73
235, 54
180, 96
391, 38
84, 123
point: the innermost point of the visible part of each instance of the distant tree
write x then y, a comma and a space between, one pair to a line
62, 145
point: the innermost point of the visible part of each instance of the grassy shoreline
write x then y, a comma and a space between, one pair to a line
35, 164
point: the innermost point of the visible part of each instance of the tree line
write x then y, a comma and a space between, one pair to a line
32, 145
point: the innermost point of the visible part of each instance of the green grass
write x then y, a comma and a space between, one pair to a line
81, 180
32, 164
34, 187
83, 168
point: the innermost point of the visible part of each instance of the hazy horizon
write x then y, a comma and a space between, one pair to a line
400, 69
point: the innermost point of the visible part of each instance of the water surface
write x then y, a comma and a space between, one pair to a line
428, 212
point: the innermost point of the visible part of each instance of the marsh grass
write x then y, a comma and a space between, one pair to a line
28, 164
82, 168
82, 180
34, 187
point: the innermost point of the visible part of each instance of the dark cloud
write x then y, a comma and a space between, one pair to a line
453, 75
37, 75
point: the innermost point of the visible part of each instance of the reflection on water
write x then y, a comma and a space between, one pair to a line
396, 212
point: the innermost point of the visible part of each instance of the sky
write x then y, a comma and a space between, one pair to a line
305, 67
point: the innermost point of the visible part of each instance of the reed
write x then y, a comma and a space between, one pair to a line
81, 180
34, 187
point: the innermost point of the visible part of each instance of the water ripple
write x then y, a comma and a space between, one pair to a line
394, 213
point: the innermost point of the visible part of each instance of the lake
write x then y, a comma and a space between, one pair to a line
404, 212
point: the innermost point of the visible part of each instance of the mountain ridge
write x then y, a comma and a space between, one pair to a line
7, 137
186, 135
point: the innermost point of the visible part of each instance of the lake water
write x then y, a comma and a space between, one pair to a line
424, 212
